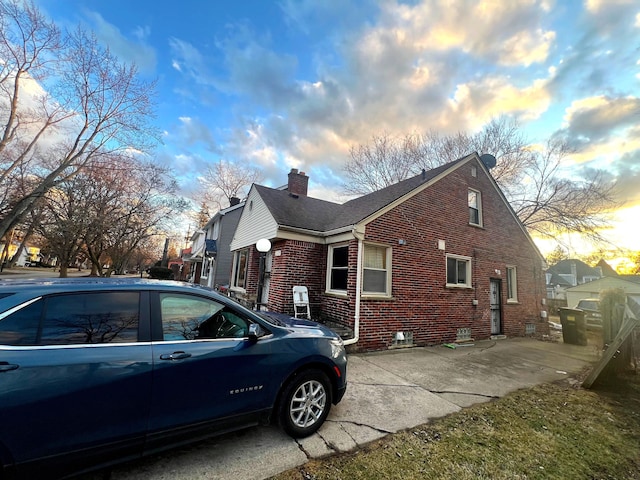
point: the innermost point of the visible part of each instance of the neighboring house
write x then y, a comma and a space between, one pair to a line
216, 255
193, 256
630, 284
569, 273
435, 258
28, 256
606, 269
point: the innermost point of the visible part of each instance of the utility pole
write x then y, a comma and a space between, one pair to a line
165, 260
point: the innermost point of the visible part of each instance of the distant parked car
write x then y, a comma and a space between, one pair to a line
96, 371
592, 314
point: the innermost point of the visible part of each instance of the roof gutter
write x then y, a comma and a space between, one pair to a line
317, 233
356, 321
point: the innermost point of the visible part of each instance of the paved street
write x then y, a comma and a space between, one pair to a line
37, 272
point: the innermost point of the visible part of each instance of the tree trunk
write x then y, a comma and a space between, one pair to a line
63, 270
26, 205
22, 246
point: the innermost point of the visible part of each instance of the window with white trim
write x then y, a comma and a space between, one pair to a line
458, 271
512, 285
475, 207
337, 268
376, 270
240, 266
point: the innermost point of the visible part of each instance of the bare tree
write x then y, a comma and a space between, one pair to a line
90, 107
107, 211
385, 161
62, 224
501, 137
129, 203
28, 45
225, 180
558, 254
546, 202
549, 204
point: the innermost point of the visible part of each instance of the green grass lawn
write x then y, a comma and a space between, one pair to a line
552, 431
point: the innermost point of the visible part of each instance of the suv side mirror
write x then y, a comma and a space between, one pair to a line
255, 332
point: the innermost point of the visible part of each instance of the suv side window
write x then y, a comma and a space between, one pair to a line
87, 318
21, 327
101, 317
187, 317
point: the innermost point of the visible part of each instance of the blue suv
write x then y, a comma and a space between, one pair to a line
96, 371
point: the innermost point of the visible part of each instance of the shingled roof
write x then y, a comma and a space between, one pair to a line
301, 211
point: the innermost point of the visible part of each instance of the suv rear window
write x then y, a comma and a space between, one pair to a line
87, 318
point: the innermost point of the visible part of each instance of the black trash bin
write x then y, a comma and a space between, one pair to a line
574, 327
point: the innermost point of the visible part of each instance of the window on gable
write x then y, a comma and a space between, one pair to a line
512, 285
475, 207
240, 265
338, 268
376, 270
458, 271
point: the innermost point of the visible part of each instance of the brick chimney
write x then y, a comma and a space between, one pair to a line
298, 182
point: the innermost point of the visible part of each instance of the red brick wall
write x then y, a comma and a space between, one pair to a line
298, 263
421, 303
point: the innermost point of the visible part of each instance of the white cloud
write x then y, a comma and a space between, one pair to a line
596, 6
508, 32
494, 96
138, 52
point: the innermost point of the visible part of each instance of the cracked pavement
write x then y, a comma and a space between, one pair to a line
387, 392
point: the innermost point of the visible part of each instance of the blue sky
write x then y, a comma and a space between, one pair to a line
293, 84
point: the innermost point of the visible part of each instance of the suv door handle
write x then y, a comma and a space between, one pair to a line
175, 356
6, 367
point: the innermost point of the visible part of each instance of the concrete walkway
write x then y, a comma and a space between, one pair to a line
387, 392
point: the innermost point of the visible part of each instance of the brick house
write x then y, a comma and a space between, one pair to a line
440, 257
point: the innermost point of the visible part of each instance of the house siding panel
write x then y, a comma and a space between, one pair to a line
255, 222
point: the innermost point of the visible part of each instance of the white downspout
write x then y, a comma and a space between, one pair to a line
356, 322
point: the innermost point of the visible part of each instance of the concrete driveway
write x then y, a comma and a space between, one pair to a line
387, 392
